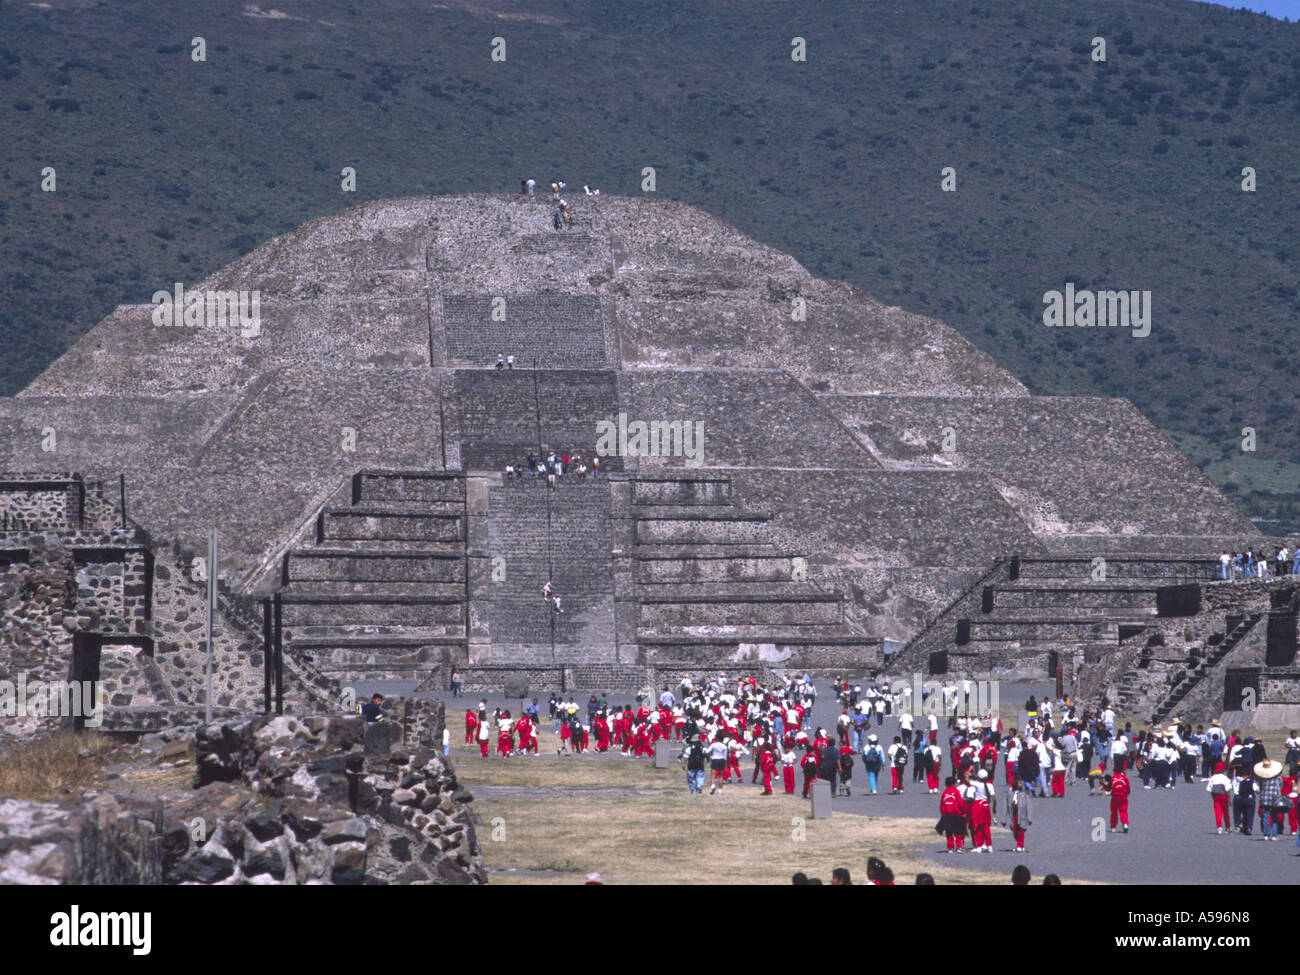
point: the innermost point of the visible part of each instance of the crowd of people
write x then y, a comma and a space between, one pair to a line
722, 731
554, 466
1264, 564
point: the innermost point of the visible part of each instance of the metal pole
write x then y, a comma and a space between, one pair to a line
279, 658
212, 612
266, 653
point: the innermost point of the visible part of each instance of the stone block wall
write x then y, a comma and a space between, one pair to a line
560, 331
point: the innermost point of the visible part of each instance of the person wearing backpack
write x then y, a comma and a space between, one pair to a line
873, 760
919, 749
809, 765
933, 758
767, 762
897, 764
1243, 802
846, 770
1220, 789
692, 759
952, 816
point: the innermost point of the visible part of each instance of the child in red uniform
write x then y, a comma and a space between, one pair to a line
734, 750
527, 740
978, 796
1289, 792
788, 762
768, 764
484, 738
952, 816
471, 722
809, 765
505, 738
1119, 790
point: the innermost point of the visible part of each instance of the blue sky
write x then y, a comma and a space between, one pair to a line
1274, 8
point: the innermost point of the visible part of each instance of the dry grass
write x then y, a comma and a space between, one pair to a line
550, 821
49, 768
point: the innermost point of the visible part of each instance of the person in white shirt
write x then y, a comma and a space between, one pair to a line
897, 763
1220, 789
905, 725
718, 753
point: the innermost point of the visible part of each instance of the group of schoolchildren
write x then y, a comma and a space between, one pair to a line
554, 466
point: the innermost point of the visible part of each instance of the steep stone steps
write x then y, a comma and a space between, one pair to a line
386, 583
1191, 677
710, 583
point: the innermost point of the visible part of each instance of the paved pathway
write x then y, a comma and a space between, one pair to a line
1171, 841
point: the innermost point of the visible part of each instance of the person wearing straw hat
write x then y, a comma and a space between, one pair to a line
1269, 788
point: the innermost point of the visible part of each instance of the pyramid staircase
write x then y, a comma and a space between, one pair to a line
1214, 650
1034, 606
382, 593
711, 585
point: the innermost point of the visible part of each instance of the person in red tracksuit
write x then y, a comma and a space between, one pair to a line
484, 738
1119, 790
1289, 792
809, 765
505, 737
952, 816
980, 809
788, 762
932, 756
989, 758
768, 764
735, 750
471, 722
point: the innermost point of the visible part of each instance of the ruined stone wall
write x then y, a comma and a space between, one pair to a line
321, 800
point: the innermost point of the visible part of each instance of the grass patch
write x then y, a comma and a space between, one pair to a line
61, 765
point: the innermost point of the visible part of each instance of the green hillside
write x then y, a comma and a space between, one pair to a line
1121, 174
